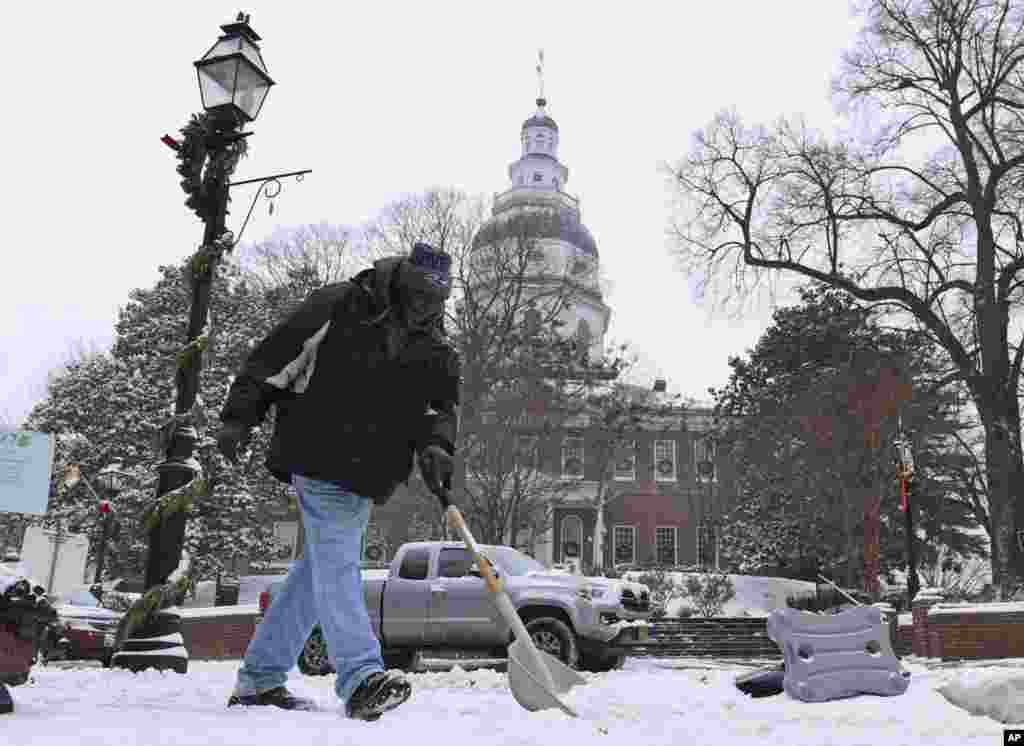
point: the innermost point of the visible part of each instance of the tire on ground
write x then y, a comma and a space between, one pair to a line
404, 660
553, 636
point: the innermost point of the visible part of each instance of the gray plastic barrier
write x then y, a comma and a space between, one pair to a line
836, 655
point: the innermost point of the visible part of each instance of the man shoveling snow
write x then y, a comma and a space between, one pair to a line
362, 377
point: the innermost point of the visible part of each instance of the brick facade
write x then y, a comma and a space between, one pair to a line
647, 512
925, 599
218, 637
648, 501
976, 632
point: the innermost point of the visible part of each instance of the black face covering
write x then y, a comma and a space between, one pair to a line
420, 302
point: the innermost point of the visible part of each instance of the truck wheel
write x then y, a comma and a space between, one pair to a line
404, 660
313, 660
554, 637
601, 663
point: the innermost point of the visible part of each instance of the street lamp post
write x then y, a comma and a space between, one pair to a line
233, 84
111, 481
904, 458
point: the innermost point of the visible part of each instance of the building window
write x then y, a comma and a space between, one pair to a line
572, 537
625, 462
704, 459
664, 461
707, 545
287, 533
526, 451
625, 545
572, 458
665, 544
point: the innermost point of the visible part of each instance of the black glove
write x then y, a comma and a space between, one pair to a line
437, 467
230, 437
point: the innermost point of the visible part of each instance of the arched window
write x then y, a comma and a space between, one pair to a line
572, 537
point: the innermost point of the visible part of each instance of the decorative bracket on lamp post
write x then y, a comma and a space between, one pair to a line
270, 187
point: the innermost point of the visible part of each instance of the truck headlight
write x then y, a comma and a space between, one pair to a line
590, 592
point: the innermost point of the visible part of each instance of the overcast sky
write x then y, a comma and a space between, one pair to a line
381, 99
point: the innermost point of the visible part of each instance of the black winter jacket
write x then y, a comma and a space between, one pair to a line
345, 412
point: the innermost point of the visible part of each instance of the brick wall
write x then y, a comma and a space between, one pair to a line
646, 512
15, 653
976, 632
218, 637
903, 642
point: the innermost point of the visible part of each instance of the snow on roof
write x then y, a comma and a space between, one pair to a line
201, 612
1003, 607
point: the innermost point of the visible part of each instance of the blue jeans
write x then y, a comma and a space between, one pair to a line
325, 586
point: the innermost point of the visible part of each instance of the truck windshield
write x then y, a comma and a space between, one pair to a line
513, 562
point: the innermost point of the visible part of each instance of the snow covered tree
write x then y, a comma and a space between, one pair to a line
929, 228
113, 408
789, 418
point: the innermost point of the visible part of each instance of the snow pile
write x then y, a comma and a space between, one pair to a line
615, 587
201, 612
623, 624
653, 702
999, 696
756, 596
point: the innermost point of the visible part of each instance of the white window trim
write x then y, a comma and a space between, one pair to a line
632, 474
675, 465
675, 543
615, 556
583, 461
714, 465
700, 535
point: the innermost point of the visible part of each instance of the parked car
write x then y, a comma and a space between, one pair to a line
86, 629
433, 598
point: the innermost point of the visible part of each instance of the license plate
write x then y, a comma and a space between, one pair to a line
641, 633
108, 640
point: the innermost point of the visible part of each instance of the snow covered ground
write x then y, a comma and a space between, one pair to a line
650, 702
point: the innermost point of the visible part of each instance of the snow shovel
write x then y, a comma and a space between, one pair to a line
535, 677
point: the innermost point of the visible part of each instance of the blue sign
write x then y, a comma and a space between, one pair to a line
26, 465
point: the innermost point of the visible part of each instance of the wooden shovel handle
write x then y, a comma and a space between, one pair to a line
456, 522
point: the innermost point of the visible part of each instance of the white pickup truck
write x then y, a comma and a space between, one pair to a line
433, 598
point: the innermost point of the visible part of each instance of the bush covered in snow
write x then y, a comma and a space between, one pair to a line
708, 593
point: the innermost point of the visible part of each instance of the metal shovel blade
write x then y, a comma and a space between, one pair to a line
529, 686
536, 678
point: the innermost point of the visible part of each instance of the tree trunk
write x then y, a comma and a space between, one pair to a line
848, 533
1001, 505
